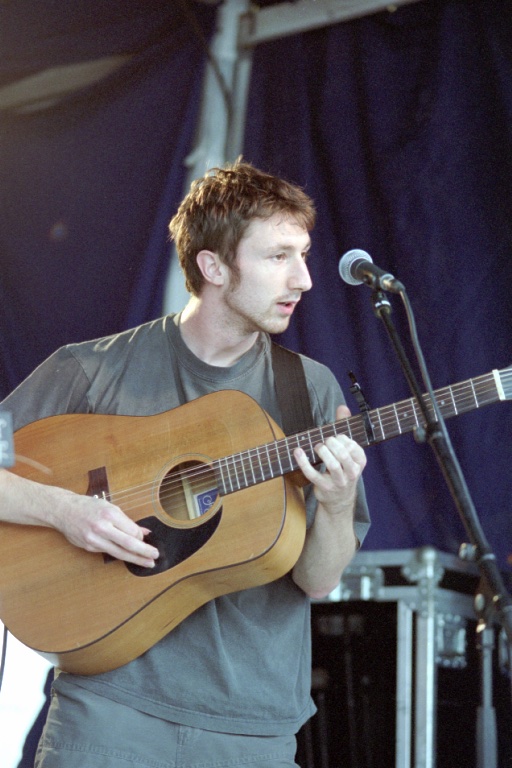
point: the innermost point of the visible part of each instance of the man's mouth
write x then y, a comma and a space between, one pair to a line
288, 306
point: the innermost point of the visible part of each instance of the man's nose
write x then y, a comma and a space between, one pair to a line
300, 278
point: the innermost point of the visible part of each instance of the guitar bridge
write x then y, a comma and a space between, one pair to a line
98, 483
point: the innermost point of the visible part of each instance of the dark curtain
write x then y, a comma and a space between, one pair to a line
398, 124
89, 184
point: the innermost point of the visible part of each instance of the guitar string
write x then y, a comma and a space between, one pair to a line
272, 453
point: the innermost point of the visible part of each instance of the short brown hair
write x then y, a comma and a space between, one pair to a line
220, 206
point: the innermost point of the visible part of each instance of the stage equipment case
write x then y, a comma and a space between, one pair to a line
396, 673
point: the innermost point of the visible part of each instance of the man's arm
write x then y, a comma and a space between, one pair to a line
330, 542
93, 524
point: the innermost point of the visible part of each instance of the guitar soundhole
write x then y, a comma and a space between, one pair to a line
189, 491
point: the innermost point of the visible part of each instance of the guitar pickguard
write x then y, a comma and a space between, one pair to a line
174, 544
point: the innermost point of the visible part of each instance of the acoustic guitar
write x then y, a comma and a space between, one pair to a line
217, 484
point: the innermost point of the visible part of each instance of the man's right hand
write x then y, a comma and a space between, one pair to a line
94, 524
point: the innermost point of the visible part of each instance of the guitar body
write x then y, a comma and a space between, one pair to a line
87, 613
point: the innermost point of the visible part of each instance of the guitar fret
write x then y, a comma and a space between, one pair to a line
474, 394
279, 457
300, 439
414, 405
287, 459
270, 462
380, 425
230, 488
230, 474
382, 434
254, 481
260, 464
245, 474
253, 457
374, 425
415, 414
453, 400
235, 472
397, 419
402, 418
255, 464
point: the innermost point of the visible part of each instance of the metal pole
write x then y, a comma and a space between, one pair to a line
220, 120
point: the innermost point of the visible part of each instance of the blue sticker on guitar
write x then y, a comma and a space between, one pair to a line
205, 501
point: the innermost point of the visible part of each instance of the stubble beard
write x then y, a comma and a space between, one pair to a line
246, 323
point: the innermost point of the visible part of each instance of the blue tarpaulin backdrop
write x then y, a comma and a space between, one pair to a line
398, 124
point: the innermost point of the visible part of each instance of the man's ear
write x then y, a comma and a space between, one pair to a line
212, 268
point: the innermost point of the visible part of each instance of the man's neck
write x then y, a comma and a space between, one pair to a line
210, 338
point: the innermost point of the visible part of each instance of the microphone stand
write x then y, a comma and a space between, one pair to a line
492, 599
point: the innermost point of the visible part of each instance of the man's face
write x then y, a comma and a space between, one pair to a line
271, 260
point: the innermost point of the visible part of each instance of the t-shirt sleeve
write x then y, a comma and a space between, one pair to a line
59, 385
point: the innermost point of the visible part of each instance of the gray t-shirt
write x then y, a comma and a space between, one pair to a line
241, 663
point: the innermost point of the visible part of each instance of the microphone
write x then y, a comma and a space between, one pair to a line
357, 267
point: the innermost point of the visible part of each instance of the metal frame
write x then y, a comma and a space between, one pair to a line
428, 622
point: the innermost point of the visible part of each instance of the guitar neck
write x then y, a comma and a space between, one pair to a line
276, 459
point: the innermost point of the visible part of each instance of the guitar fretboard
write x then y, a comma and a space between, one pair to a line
275, 459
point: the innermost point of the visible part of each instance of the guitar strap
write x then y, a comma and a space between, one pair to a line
292, 390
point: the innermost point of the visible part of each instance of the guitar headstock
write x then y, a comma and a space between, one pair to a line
504, 382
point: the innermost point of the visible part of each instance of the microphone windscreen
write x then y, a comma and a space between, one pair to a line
345, 265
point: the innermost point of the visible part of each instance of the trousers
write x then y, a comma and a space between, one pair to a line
84, 730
